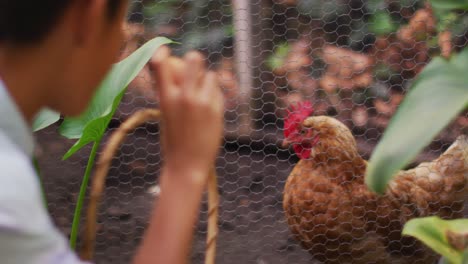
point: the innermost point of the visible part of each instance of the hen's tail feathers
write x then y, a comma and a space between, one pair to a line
458, 150
455, 158
442, 182
460, 145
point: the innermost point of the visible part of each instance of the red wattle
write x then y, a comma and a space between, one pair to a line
301, 152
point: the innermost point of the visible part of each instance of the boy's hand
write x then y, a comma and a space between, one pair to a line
192, 115
192, 109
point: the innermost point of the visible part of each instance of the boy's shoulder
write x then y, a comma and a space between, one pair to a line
16, 170
20, 192
27, 234
11, 155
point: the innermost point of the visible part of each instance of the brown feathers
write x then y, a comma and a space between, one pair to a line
338, 220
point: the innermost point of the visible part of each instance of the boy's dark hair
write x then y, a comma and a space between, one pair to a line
27, 21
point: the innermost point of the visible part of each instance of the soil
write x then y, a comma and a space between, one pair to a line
252, 173
252, 226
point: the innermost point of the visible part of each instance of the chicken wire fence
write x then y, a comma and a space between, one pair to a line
352, 59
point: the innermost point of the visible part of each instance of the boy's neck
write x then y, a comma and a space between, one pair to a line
26, 74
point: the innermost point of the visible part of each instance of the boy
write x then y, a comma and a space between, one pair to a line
53, 53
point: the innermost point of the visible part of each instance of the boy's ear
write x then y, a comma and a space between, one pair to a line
89, 17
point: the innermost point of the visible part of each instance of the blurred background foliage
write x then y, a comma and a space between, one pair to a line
195, 24
298, 50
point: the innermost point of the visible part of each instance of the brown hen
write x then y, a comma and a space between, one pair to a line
338, 220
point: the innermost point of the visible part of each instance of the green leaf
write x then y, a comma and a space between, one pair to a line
443, 261
447, 19
450, 4
278, 58
432, 231
465, 257
381, 23
91, 125
45, 118
437, 96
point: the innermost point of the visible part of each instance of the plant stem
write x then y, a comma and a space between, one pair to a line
38, 172
82, 194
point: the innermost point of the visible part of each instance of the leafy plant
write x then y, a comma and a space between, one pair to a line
448, 17
201, 24
446, 237
449, 4
437, 96
381, 23
92, 124
375, 5
44, 119
325, 10
277, 59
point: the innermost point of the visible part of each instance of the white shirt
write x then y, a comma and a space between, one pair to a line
27, 234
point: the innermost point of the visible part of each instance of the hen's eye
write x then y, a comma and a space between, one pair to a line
303, 131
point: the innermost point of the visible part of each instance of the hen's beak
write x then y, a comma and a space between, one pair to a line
287, 142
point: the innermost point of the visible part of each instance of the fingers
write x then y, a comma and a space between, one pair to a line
187, 77
162, 73
195, 71
211, 89
199, 82
178, 68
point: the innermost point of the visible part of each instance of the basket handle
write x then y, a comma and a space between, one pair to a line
99, 178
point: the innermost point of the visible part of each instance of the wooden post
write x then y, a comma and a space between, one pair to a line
243, 57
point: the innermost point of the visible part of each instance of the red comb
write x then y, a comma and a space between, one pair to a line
296, 115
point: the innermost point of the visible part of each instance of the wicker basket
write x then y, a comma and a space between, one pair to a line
102, 169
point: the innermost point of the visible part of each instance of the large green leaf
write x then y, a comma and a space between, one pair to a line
450, 4
438, 95
91, 125
432, 231
465, 257
45, 118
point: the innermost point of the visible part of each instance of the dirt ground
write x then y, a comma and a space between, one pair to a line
252, 226
252, 174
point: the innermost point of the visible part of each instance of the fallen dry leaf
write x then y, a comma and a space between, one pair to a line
360, 116
420, 27
346, 69
383, 108
386, 109
445, 44
407, 52
297, 58
294, 73
345, 62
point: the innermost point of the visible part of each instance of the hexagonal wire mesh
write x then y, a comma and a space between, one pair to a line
353, 59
